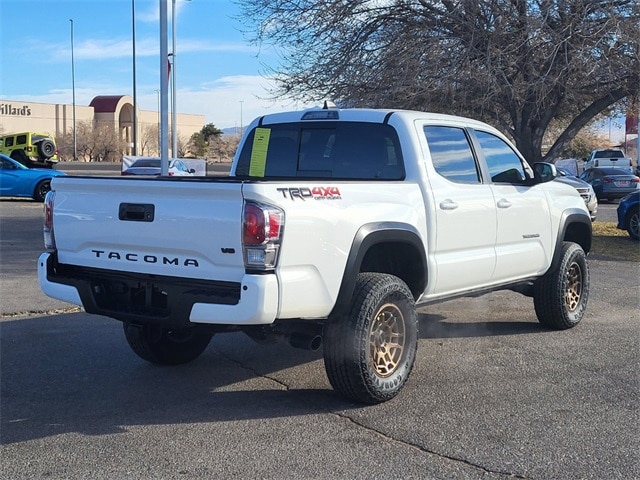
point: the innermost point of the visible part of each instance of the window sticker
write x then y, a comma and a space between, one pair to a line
259, 152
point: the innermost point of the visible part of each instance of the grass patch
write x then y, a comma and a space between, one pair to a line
611, 242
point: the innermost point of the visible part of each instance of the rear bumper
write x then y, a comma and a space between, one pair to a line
159, 300
615, 193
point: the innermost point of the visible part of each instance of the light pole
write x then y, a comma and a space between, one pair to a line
164, 90
134, 150
174, 136
73, 90
241, 118
174, 123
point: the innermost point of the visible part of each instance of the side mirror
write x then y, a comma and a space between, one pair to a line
545, 172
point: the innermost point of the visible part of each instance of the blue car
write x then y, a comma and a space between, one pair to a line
629, 214
610, 183
16, 180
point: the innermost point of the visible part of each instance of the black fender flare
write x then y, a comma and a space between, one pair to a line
366, 237
575, 226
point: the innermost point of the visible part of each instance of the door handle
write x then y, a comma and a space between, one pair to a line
504, 203
448, 204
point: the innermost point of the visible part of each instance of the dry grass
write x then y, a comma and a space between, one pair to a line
608, 241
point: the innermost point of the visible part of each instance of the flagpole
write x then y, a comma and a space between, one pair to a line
164, 90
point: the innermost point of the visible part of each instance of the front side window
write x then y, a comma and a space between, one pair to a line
451, 154
8, 142
340, 150
504, 165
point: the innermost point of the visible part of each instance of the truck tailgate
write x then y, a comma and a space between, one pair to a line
156, 226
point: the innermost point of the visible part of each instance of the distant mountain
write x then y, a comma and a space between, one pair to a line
231, 131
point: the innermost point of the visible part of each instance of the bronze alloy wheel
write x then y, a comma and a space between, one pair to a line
560, 296
573, 290
387, 340
369, 351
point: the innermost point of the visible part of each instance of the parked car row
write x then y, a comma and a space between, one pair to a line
151, 166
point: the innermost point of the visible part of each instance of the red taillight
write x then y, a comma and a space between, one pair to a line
635, 180
48, 212
262, 227
254, 225
275, 224
261, 223
49, 239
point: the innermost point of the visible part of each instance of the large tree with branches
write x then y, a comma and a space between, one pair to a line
518, 64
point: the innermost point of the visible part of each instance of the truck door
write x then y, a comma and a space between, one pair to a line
465, 215
523, 239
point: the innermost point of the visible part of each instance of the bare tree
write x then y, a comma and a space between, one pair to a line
223, 147
108, 143
64, 145
149, 138
518, 64
586, 140
85, 141
183, 147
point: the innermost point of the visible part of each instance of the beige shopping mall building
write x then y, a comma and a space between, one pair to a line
115, 110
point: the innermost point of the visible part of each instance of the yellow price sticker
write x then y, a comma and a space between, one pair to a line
258, 161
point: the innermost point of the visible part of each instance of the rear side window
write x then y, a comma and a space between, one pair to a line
341, 150
21, 139
8, 142
451, 154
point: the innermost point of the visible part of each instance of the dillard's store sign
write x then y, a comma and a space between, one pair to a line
15, 111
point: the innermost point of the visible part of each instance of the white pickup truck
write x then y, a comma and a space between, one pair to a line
608, 157
332, 227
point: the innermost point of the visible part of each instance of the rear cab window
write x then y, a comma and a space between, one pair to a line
338, 150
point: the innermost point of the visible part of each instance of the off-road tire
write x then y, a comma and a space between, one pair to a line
633, 223
41, 190
46, 149
369, 352
560, 296
164, 346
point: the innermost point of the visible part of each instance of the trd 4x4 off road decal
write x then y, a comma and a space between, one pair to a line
315, 193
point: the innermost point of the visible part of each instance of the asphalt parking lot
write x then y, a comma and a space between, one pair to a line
493, 394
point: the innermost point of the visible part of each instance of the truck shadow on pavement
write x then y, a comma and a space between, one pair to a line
436, 326
75, 373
